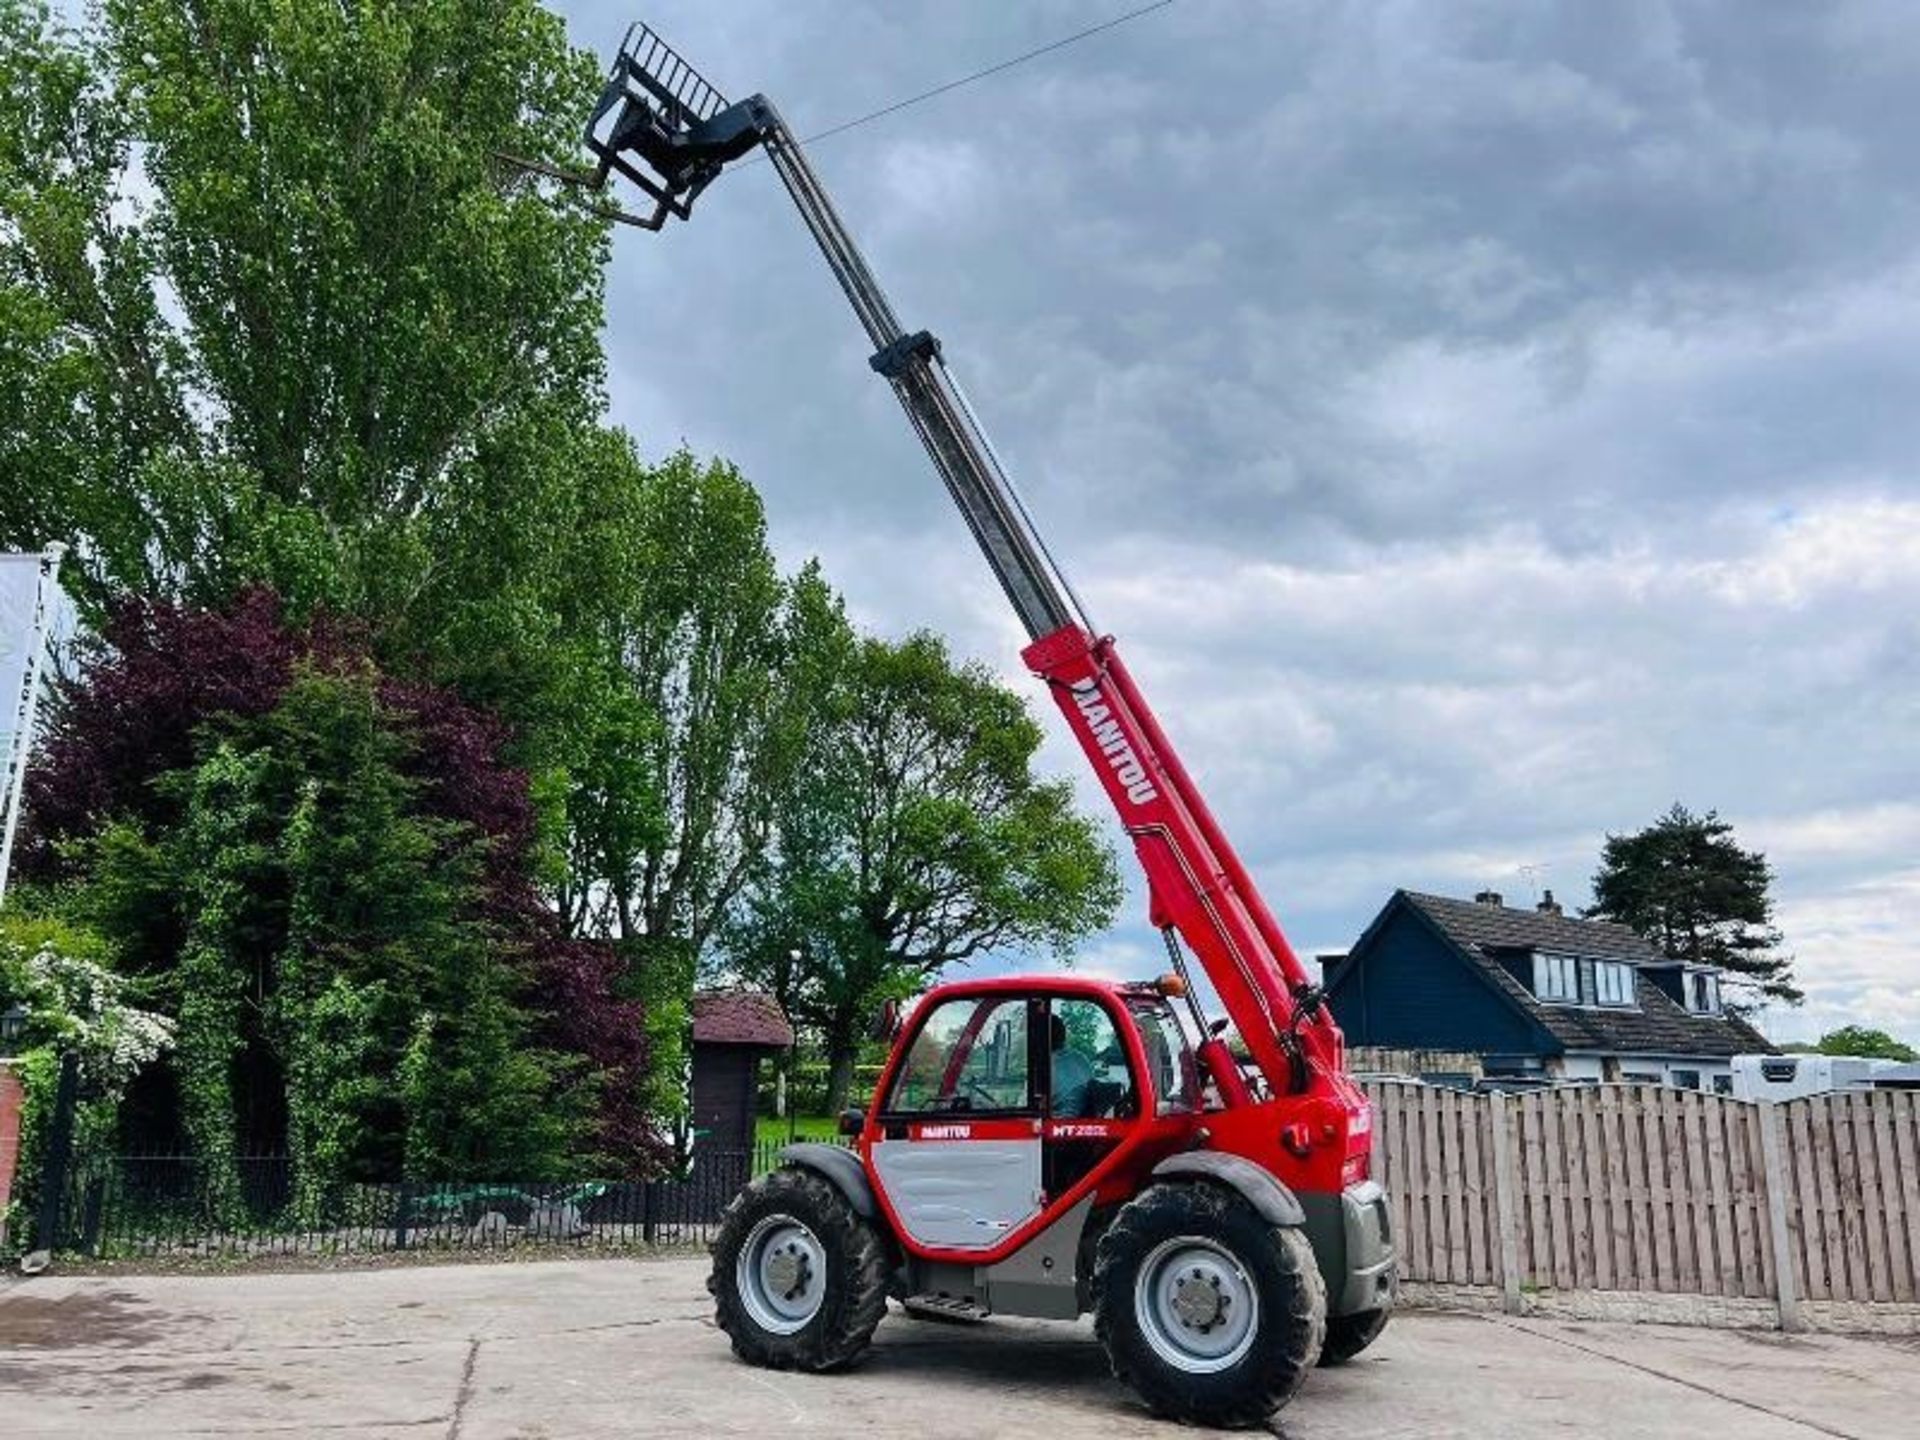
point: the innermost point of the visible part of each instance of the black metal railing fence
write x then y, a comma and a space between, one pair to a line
116, 1206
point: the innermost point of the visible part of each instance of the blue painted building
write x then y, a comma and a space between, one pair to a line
1534, 993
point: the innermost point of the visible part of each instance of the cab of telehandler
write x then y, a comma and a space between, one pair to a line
1006, 1102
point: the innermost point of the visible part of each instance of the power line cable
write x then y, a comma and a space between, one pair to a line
571, 178
1008, 64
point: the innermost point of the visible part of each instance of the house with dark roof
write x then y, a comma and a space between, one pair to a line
1534, 992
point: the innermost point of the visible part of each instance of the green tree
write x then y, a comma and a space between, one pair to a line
1688, 887
323, 940
919, 837
1860, 1040
271, 309
699, 689
274, 311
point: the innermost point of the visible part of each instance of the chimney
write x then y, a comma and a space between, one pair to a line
1548, 905
1489, 898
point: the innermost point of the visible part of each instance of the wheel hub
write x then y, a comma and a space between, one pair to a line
1199, 1301
780, 1275
1196, 1305
787, 1270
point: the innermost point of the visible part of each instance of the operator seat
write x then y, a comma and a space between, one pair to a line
1072, 1074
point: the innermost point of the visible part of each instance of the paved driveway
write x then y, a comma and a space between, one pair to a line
619, 1347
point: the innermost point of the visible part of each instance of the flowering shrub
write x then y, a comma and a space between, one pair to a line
78, 1004
75, 1004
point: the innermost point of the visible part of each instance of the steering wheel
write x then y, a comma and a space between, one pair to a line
963, 1098
975, 1090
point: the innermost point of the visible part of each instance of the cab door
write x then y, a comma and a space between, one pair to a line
958, 1153
1092, 1093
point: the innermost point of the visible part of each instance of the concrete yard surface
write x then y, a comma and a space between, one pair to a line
608, 1347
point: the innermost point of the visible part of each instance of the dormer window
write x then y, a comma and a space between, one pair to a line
1615, 983
1556, 978
1703, 992
1572, 980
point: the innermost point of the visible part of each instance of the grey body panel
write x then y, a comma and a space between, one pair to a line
937, 1277
960, 1194
1041, 1279
1276, 1204
841, 1167
1353, 1241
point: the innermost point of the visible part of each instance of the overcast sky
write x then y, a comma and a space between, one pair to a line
1482, 424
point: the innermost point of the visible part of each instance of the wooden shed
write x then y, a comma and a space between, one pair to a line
732, 1029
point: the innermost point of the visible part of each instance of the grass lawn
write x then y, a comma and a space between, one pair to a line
769, 1131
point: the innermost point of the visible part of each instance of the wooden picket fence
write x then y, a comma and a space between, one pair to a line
1648, 1188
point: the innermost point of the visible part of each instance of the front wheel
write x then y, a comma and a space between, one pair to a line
1212, 1315
799, 1279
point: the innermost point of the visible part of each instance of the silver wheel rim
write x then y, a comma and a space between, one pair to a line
781, 1275
1196, 1305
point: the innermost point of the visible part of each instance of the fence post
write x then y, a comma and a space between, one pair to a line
92, 1205
1506, 1209
1774, 1163
13, 1097
400, 1218
53, 1169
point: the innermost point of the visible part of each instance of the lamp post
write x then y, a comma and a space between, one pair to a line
13, 1027
785, 1064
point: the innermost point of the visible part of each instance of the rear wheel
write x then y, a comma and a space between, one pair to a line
1211, 1314
1348, 1335
799, 1279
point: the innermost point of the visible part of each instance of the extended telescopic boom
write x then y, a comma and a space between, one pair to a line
667, 130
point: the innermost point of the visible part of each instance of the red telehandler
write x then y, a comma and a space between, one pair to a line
1051, 1145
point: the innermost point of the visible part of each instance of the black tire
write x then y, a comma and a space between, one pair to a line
1348, 1335
1278, 1265
854, 1274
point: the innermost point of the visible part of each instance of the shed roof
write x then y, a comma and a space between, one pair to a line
740, 1017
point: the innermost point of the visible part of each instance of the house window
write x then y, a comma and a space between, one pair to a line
1723, 1084
1567, 980
1556, 977
1686, 1079
1703, 992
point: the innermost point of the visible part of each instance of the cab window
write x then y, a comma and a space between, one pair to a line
1176, 1078
1087, 1070
969, 1056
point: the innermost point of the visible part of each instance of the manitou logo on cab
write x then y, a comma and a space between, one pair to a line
944, 1132
1113, 743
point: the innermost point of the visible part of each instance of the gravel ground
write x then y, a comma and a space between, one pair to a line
552, 1350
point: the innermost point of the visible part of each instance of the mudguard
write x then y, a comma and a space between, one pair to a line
1274, 1202
842, 1169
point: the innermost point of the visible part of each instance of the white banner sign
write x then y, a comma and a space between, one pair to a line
19, 584
29, 609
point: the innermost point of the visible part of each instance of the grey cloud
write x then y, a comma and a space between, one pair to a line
1485, 424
